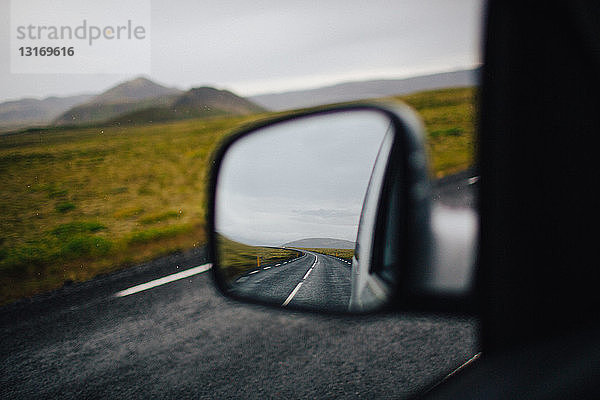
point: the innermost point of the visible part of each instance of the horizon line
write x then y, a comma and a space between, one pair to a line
325, 83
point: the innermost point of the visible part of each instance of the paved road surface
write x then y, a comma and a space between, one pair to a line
183, 340
314, 281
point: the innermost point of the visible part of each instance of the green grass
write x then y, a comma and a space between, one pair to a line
77, 202
160, 217
449, 117
154, 234
345, 254
72, 228
65, 207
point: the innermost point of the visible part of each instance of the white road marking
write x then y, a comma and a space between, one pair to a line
473, 180
461, 367
307, 273
291, 296
253, 272
265, 268
167, 279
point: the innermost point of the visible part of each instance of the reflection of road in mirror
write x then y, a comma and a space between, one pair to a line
313, 281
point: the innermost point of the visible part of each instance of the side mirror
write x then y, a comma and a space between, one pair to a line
323, 210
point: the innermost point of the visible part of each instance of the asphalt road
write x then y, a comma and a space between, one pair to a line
184, 340
314, 281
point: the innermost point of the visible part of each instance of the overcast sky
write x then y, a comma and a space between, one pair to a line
253, 47
299, 180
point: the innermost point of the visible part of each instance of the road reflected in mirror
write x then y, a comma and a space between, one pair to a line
287, 207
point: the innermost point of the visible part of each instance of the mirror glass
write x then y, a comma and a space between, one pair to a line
288, 204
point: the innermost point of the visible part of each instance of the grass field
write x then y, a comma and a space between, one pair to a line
449, 117
345, 254
79, 202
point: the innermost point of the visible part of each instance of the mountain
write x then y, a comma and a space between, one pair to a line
320, 243
135, 90
195, 103
204, 99
141, 100
126, 97
30, 112
352, 91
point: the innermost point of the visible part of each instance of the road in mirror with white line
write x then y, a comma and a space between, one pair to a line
311, 281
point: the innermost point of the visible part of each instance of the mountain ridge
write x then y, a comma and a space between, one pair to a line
29, 112
134, 90
128, 96
142, 100
365, 89
199, 102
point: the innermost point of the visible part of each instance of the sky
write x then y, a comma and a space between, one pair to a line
251, 47
301, 179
